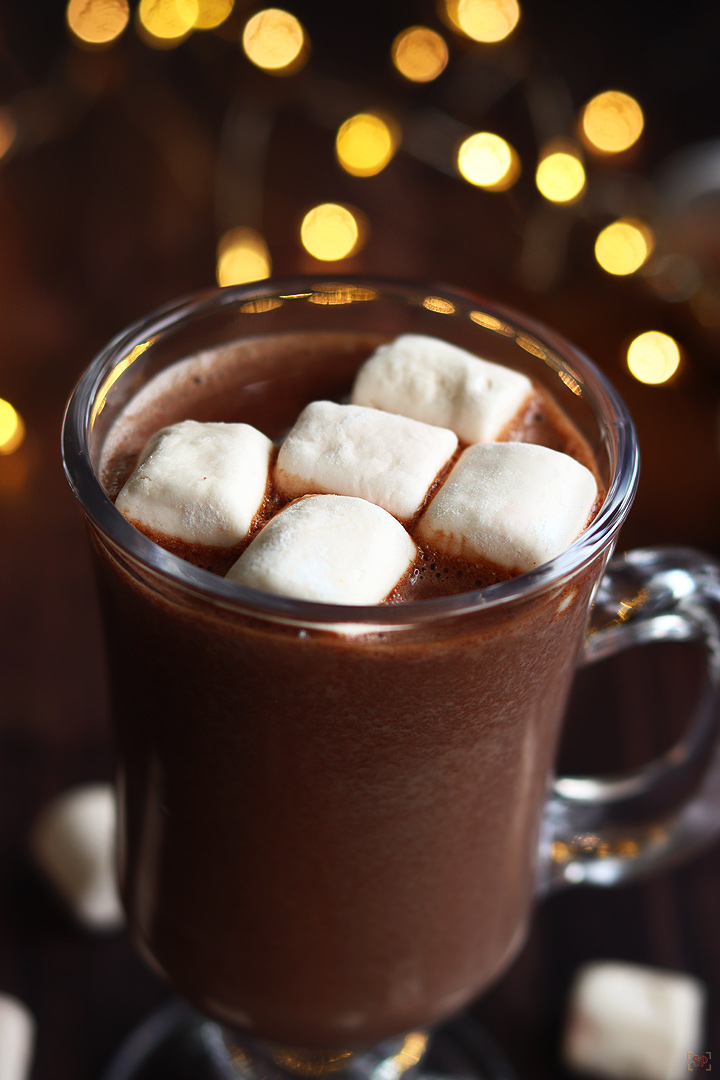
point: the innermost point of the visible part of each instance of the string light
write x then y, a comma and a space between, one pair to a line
560, 175
212, 13
331, 231
166, 23
366, 143
242, 255
275, 41
488, 161
97, 22
623, 246
12, 428
420, 54
488, 21
611, 122
653, 357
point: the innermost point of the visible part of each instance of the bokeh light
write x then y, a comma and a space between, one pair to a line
488, 161
166, 23
484, 20
420, 54
611, 122
12, 428
212, 13
653, 357
275, 41
366, 142
560, 174
97, 22
242, 255
8, 130
623, 246
331, 231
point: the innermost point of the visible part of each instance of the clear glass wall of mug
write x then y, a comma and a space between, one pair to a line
334, 821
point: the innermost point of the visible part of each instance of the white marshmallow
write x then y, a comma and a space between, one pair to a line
201, 483
633, 1022
442, 384
351, 450
17, 1035
73, 841
331, 548
513, 504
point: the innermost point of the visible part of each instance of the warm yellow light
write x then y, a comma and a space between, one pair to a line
366, 142
560, 175
97, 22
420, 54
484, 20
242, 255
167, 22
623, 246
436, 303
491, 323
611, 122
330, 232
12, 429
212, 13
488, 161
653, 357
8, 131
275, 41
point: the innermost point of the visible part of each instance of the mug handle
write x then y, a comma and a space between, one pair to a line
610, 830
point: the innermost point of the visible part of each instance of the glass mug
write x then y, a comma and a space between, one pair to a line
334, 821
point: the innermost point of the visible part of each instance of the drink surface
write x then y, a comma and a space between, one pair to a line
326, 840
213, 386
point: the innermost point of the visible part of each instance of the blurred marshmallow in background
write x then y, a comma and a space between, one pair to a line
17, 1034
73, 842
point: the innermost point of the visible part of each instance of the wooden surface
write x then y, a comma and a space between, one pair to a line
102, 222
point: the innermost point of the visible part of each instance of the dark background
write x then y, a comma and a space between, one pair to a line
128, 165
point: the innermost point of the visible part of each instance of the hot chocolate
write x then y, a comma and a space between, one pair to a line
327, 839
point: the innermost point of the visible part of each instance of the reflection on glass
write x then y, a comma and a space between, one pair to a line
653, 357
560, 175
612, 122
623, 246
275, 41
331, 231
436, 303
420, 54
489, 321
12, 428
366, 142
242, 255
488, 161
332, 293
256, 307
97, 22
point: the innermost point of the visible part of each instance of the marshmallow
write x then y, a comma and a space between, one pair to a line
437, 382
512, 504
73, 841
633, 1022
351, 450
17, 1034
331, 548
201, 483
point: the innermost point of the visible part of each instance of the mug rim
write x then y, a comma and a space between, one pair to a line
607, 406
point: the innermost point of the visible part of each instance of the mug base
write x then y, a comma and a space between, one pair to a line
176, 1043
